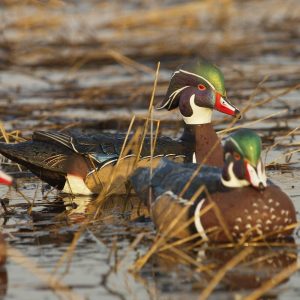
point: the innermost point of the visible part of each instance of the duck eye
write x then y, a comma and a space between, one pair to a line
201, 87
236, 156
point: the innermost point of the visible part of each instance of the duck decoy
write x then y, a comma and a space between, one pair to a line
239, 201
5, 178
196, 89
83, 164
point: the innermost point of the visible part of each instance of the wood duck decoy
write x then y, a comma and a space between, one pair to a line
5, 178
196, 89
83, 164
249, 205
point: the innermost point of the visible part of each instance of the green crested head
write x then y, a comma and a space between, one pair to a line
247, 143
199, 73
211, 73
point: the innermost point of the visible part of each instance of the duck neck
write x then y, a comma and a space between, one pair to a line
208, 147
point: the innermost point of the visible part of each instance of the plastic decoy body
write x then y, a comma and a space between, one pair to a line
238, 200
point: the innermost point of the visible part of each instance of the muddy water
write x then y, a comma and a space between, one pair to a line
65, 66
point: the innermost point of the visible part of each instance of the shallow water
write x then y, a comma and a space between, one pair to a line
44, 238
67, 73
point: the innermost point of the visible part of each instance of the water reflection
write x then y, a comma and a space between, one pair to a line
257, 268
78, 208
116, 208
199, 268
53, 223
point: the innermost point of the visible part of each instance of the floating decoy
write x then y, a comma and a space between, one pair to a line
83, 164
5, 179
196, 89
239, 201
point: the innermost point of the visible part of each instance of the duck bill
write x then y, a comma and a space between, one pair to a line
224, 106
5, 179
256, 179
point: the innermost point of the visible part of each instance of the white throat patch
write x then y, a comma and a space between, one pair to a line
201, 115
234, 182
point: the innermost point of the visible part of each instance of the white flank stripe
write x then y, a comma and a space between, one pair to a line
198, 223
194, 158
75, 185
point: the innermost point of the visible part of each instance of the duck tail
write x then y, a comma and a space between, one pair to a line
14, 152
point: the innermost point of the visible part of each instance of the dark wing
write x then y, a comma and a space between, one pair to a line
57, 138
106, 146
173, 177
101, 147
47, 161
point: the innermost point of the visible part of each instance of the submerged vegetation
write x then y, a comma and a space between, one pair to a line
86, 66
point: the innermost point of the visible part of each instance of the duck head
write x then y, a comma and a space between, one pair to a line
243, 164
5, 179
197, 89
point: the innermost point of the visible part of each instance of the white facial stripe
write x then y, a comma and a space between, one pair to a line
234, 182
5, 176
201, 115
199, 76
172, 97
174, 94
197, 219
236, 145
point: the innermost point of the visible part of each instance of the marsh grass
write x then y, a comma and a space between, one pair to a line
41, 41
164, 241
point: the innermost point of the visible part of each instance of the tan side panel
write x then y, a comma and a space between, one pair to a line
164, 211
118, 176
145, 162
112, 175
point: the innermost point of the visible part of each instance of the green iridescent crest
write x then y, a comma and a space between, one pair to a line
197, 72
211, 73
248, 144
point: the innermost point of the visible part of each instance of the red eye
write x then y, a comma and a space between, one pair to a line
236, 156
201, 87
